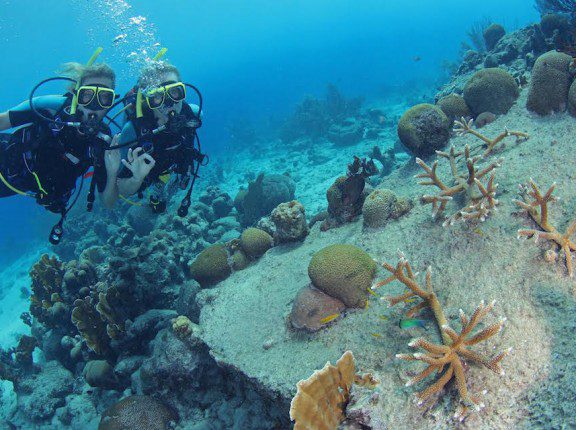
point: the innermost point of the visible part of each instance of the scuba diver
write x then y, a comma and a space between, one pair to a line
58, 138
164, 126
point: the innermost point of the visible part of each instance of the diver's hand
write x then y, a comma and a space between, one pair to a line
112, 157
139, 163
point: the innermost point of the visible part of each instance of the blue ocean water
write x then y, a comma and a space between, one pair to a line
253, 60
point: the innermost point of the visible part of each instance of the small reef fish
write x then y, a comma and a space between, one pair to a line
119, 38
383, 317
371, 292
376, 335
478, 231
410, 300
416, 58
411, 323
329, 318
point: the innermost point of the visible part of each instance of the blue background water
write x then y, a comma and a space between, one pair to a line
252, 59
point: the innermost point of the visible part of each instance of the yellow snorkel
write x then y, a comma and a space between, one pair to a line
157, 57
91, 61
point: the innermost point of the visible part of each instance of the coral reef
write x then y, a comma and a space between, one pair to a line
344, 272
481, 197
448, 359
491, 90
550, 83
423, 129
538, 209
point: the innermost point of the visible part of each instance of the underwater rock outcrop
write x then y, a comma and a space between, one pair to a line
423, 129
343, 271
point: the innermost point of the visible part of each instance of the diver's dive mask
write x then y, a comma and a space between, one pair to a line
95, 97
167, 93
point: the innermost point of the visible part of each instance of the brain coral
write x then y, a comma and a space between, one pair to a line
383, 205
550, 83
255, 242
454, 107
491, 90
423, 129
137, 412
211, 266
344, 272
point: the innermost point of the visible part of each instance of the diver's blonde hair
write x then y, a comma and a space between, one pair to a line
150, 74
81, 72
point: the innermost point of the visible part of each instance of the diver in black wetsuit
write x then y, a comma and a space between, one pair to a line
57, 140
165, 126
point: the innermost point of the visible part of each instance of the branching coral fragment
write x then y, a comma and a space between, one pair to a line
464, 127
403, 273
482, 198
448, 361
540, 216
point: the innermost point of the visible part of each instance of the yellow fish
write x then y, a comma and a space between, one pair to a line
478, 231
376, 335
383, 317
410, 300
372, 292
329, 318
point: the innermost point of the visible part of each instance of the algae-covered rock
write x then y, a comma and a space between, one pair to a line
492, 35
311, 306
344, 272
290, 222
382, 205
211, 266
239, 260
138, 412
554, 21
255, 242
550, 83
263, 195
424, 129
491, 90
454, 107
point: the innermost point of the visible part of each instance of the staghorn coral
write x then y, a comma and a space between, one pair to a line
448, 360
321, 399
482, 198
403, 272
464, 127
549, 232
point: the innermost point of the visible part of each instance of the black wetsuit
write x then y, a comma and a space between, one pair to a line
57, 156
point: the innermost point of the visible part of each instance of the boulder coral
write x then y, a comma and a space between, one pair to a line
423, 129
290, 222
383, 205
343, 271
454, 107
491, 90
255, 242
550, 83
211, 266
